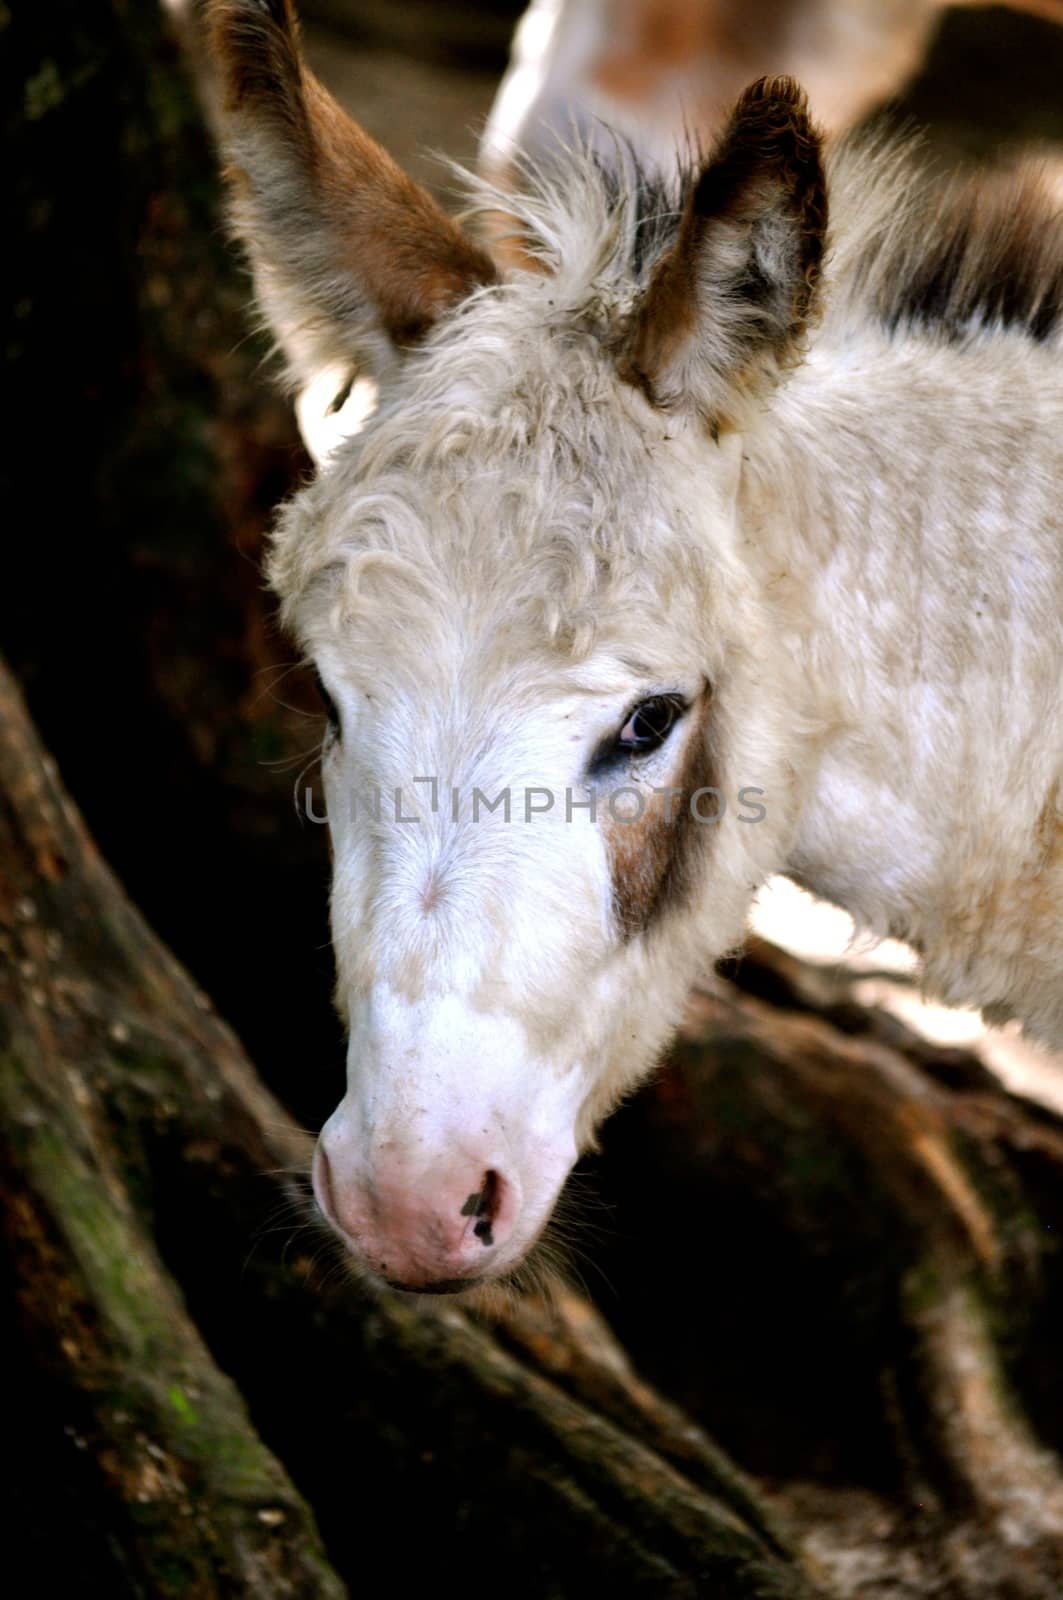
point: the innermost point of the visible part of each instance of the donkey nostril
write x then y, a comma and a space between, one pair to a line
484, 1206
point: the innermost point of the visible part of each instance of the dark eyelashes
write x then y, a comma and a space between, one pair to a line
645, 728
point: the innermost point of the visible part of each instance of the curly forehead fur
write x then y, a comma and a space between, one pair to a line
508, 462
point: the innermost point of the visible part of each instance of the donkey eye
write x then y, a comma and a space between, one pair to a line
650, 723
329, 704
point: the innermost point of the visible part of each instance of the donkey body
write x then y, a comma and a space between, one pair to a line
666, 72
764, 534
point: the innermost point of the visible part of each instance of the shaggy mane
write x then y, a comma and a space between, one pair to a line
910, 249
980, 251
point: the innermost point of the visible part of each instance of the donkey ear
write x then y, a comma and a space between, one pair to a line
352, 259
726, 308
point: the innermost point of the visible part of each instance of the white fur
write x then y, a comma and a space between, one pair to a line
517, 547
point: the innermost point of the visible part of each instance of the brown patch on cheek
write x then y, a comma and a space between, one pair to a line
652, 857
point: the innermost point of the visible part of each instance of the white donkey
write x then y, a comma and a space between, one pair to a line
756, 545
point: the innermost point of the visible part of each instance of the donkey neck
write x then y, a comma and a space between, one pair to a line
901, 504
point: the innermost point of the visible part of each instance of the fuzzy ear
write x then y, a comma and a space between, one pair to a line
352, 259
726, 307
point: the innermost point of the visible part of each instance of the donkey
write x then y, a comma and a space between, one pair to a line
717, 552
664, 71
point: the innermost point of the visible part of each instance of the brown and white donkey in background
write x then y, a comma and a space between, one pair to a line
665, 73
707, 544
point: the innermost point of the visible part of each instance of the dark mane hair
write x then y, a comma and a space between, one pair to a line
656, 201
984, 250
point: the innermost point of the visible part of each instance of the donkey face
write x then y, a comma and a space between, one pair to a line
523, 589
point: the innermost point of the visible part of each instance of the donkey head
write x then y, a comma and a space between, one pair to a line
546, 660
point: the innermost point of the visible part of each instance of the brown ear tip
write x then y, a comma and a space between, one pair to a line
256, 46
235, 24
280, 12
772, 119
781, 91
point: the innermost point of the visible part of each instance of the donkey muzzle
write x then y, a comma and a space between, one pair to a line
437, 1230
